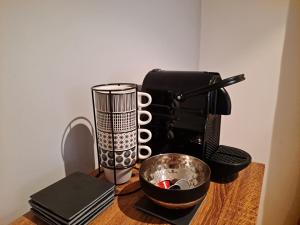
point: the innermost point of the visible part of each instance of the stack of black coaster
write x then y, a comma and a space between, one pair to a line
74, 200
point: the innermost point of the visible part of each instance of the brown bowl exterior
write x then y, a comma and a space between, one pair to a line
177, 205
199, 176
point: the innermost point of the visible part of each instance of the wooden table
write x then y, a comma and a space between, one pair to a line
233, 203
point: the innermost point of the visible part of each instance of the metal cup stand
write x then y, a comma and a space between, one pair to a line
94, 90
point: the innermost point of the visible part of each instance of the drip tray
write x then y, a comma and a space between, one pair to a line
226, 162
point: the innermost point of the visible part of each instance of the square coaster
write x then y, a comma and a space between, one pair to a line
72, 195
78, 219
173, 216
82, 221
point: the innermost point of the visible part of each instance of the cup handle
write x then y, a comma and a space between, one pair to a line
140, 95
144, 122
144, 140
146, 148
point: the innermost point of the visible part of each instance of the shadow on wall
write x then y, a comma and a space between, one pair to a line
77, 146
282, 202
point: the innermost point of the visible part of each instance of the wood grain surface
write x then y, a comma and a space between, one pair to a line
233, 203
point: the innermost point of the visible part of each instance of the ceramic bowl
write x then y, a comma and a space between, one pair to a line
173, 166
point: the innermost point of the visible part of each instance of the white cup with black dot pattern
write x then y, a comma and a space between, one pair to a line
118, 159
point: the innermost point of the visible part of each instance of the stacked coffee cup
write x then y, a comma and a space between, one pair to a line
119, 115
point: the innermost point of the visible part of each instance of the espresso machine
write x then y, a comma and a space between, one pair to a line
186, 113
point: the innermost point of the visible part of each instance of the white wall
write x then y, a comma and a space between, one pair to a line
260, 39
52, 52
246, 37
282, 201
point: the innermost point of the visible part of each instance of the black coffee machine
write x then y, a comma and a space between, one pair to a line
186, 116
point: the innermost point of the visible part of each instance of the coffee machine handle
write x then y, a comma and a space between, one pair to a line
207, 88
